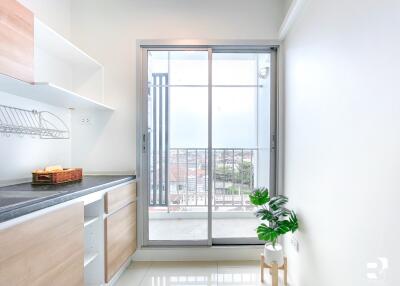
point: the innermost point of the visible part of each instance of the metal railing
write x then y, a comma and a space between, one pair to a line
233, 176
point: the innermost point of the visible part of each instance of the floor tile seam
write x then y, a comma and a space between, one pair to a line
146, 273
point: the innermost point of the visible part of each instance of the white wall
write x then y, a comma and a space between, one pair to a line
286, 6
108, 30
20, 155
342, 138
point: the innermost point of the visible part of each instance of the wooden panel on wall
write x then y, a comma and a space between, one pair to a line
120, 238
45, 250
16, 40
120, 197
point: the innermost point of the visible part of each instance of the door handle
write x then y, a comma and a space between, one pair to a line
145, 137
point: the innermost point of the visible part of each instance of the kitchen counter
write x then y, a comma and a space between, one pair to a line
22, 199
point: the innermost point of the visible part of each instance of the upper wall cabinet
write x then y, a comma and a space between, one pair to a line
59, 62
16, 40
38, 63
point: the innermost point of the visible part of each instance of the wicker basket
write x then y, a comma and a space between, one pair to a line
57, 177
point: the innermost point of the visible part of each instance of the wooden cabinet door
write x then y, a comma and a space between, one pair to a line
119, 197
120, 238
16, 40
46, 250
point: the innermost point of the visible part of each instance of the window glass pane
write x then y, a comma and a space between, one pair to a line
188, 67
234, 117
157, 63
188, 117
234, 69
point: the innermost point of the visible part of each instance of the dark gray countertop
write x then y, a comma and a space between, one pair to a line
21, 199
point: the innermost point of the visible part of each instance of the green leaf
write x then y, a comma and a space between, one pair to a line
277, 202
283, 227
294, 222
266, 233
282, 212
259, 197
265, 214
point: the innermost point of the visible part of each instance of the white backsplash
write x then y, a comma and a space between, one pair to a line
20, 155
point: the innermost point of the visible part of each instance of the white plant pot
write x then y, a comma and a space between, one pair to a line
272, 254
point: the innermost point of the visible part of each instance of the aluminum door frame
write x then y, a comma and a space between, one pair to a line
144, 144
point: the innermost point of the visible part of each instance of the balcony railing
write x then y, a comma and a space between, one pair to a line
232, 179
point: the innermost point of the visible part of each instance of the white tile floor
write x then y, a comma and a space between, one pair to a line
240, 273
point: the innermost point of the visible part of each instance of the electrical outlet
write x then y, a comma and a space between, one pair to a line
85, 121
295, 243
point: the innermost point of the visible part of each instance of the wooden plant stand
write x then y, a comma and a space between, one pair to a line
273, 270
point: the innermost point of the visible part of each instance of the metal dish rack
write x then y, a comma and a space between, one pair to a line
44, 124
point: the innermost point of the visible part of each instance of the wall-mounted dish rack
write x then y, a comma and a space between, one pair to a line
44, 124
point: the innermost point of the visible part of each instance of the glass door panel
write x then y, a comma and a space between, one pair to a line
178, 131
188, 68
240, 139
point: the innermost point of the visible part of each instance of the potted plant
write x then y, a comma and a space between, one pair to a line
280, 220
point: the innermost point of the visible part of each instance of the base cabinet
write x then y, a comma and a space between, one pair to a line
81, 242
44, 250
120, 238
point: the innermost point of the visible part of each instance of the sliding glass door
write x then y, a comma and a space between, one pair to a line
209, 115
240, 141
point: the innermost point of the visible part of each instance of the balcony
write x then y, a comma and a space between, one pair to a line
185, 203
233, 178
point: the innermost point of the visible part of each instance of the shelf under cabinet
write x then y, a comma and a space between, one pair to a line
49, 93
